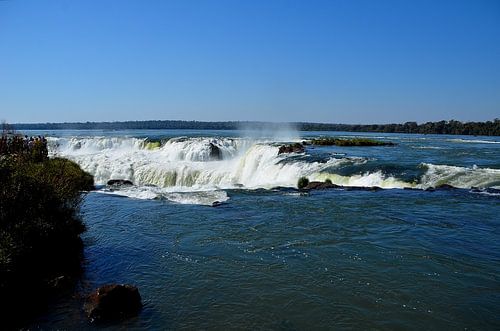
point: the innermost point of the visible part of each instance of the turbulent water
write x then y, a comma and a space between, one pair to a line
161, 166
270, 257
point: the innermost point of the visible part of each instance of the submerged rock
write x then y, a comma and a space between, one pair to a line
113, 302
445, 187
328, 185
120, 182
292, 148
442, 187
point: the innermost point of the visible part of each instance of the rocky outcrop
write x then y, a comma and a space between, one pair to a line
111, 302
328, 185
442, 187
215, 152
216, 203
119, 182
320, 186
292, 148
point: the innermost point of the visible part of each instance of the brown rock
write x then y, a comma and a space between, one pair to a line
113, 302
292, 148
320, 186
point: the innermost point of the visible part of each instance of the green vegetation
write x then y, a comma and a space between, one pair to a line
302, 182
328, 181
39, 223
329, 141
488, 128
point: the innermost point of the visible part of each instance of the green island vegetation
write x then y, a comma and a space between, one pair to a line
40, 245
344, 142
488, 128
302, 182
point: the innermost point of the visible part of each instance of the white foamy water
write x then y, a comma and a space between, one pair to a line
473, 141
178, 168
150, 193
461, 177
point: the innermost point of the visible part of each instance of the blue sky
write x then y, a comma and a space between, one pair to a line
349, 61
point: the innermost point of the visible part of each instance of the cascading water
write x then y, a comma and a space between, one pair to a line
198, 164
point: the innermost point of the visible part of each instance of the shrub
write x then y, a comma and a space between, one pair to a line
302, 182
328, 181
39, 221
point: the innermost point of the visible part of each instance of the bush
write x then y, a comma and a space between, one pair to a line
328, 181
303, 182
39, 223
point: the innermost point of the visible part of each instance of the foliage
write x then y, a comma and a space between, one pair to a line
329, 141
488, 128
39, 223
302, 182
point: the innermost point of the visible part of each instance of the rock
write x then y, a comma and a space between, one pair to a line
119, 182
445, 187
292, 148
215, 153
328, 185
320, 186
113, 302
216, 203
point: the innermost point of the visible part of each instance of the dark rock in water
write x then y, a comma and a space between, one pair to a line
445, 187
215, 153
216, 203
113, 301
328, 185
292, 148
442, 187
320, 186
119, 182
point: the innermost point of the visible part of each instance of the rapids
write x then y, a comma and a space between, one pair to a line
161, 167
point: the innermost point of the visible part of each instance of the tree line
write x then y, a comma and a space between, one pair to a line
488, 128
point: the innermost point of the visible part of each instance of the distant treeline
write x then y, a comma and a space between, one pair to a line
489, 128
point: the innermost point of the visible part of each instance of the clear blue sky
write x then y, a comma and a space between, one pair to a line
349, 61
